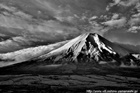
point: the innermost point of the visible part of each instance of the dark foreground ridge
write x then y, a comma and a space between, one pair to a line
66, 83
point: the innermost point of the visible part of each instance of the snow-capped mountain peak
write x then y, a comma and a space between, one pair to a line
89, 44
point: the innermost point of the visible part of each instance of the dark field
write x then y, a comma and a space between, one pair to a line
69, 79
65, 83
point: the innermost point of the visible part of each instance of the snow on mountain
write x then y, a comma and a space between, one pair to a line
137, 56
89, 44
91, 47
71, 43
84, 48
102, 45
26, 54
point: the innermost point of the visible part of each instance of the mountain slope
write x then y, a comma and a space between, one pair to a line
24, 55
87, 47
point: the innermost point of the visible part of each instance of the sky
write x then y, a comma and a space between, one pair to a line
26, 23
126, 23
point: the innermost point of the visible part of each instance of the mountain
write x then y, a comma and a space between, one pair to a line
91, 47
87, 48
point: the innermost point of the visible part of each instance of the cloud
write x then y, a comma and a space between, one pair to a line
115, 23
134, 21
53, 20
48, 19
115, 16
134, 29
11, 9
48, 6
128, 2
13, 44
117, 1
26, 54
124, 3
57, 11
23, 24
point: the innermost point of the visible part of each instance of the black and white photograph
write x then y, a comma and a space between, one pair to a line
69, 46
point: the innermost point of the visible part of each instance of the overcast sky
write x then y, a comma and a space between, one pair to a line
30, 22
